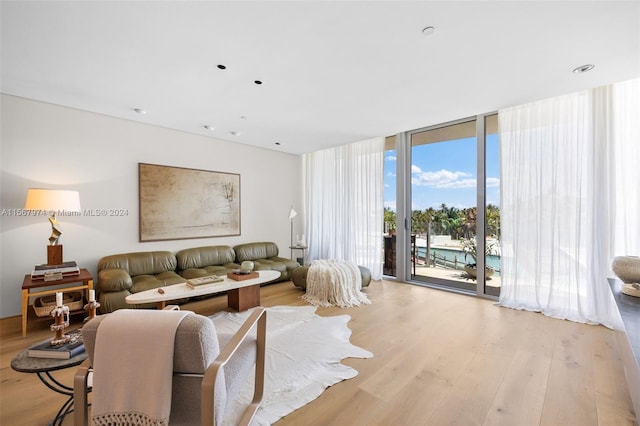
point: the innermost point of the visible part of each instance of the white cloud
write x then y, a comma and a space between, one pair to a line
462, 183
441, 179
391, 158
390, 204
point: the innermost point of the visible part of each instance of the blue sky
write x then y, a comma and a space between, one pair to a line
445, 172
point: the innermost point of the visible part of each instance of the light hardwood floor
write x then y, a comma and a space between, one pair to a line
439, 359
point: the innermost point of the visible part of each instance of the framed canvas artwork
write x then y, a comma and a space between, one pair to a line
179, 203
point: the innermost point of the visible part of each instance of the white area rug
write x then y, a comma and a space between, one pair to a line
304, 351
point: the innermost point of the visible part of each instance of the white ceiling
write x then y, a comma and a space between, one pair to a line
332, 72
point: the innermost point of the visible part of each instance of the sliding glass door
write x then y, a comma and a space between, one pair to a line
443, 238
443, 204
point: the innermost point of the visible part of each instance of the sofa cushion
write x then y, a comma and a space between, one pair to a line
201, 257
140, 263
253, 251
269, 264
208, 270
114, 279
148, 282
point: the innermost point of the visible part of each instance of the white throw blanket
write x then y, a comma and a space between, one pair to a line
133, 367
334, 283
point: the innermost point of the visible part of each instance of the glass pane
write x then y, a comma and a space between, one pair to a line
389, 255
443, 199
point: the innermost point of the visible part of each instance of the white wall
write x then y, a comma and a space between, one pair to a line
49, 146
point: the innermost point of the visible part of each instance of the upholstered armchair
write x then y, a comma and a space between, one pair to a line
209, 369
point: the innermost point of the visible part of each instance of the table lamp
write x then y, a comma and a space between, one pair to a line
53, 200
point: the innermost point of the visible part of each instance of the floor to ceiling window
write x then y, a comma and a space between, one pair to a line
441, 176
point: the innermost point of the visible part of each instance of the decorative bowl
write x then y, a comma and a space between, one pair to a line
627, 268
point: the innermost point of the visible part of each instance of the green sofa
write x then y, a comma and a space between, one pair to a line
120, 275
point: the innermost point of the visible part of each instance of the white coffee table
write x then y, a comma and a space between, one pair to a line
241, 295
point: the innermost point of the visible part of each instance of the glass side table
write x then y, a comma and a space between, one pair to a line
300, 260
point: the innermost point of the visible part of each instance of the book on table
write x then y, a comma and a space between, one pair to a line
73, 347
195, 282
66, 269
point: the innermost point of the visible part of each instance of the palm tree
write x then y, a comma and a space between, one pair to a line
389, 220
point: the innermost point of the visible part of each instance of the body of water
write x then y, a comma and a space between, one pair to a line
451, 254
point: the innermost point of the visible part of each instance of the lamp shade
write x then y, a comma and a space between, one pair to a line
52, 199
292, 213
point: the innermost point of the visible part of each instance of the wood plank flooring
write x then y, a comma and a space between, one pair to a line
439, 359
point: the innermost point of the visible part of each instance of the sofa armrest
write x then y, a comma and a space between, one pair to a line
114, 279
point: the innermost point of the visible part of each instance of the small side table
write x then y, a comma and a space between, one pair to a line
43, 367
300, 260
31, 288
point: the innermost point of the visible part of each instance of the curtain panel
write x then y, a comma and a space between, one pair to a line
569, 197
343, 200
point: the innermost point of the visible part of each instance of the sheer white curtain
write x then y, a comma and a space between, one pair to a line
569, 165
344, 203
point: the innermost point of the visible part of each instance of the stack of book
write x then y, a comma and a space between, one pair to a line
66, 269
195, 282
68, 350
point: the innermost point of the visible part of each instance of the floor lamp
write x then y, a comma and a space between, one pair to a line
53, 200
292, 214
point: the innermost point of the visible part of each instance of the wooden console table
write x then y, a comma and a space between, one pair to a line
32, 288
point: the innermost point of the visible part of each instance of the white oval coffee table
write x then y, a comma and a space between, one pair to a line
241, 295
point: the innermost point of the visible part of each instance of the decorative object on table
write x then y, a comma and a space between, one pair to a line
470, 248
54, 201
178, 203
241, 275
92, 306
64, 351
209, 279
318, 344
247, 266
627, 268
65, 269
60, 316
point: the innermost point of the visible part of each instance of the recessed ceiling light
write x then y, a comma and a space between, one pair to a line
222, 67
140, 111
583, 68
258, 82
235, 133
208, 127
427, 31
